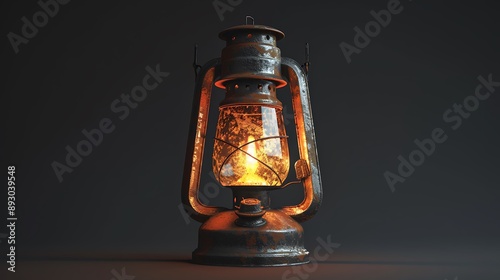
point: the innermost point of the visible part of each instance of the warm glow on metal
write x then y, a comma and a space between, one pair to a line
250, 154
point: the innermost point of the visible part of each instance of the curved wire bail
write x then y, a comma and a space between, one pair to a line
196, 66
249, 18
306, 64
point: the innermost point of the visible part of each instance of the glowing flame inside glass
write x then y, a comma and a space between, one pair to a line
250, 147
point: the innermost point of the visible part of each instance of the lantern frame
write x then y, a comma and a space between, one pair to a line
277, 231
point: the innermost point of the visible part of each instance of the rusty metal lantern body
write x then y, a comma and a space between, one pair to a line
251, 153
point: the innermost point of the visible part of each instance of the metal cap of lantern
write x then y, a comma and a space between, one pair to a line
251, 153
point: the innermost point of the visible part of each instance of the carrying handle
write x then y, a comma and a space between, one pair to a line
307, 166
196, 143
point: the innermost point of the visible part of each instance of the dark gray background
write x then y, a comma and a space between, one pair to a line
124, 196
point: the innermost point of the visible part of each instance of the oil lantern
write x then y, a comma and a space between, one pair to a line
250, 154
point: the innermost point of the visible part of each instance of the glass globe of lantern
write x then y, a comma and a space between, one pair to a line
250, 147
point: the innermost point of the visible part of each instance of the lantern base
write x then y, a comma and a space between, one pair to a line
278, 242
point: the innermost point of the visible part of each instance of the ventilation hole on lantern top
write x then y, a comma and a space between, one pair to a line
260, 87
269, 87
247, 86
267, 37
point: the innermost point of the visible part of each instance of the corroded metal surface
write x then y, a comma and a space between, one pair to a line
278, 242
251, 92
251, 52
251, 70
313, 193
196, 144
250, 213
